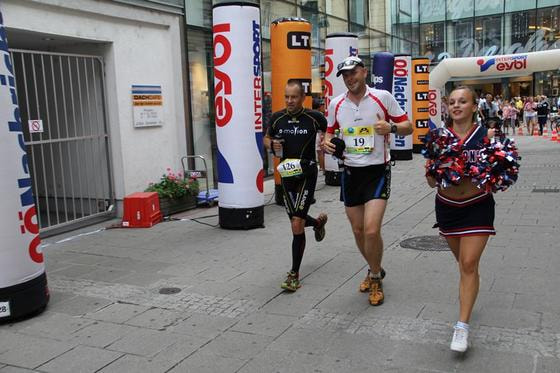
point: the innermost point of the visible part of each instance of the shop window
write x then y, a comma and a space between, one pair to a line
464, 39
432, 40
201, 92
359, 12
337, 8
432, 11
199, 13
336, 25
548, 22
517, 5
271, 10
488, 34
489, 7
459, 9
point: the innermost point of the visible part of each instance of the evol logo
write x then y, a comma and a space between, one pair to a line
518, 62
328, 88
222, 81
27, 214
432, 97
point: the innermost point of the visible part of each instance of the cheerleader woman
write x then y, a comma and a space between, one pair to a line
465, 213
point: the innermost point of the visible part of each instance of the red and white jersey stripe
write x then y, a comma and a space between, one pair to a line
343, 113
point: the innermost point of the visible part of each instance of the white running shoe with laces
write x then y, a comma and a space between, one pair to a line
460, 340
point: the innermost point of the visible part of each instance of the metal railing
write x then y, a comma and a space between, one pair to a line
69, 158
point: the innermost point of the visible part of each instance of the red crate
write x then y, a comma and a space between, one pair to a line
141, 210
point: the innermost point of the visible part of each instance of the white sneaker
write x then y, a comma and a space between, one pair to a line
460, 340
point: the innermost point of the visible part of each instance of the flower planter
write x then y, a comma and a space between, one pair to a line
169, 206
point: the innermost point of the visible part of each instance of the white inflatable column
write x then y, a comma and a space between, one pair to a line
338, 46
401, 146
23, 282
238, 106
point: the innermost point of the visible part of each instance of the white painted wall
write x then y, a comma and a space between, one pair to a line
138, 46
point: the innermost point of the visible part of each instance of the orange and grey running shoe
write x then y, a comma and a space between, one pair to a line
376, 295
366, 283
320, 228
291, 283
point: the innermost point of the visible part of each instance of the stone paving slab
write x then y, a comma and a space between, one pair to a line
80, 359
231, 316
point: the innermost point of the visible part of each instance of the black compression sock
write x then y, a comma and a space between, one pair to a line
298, 247
310, 221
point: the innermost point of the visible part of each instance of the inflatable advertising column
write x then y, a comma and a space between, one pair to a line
238, 106
420, 101
338, 46
23, 282
401, 146
382, 71
290, 58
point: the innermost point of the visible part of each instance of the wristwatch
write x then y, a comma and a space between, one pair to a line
393, 128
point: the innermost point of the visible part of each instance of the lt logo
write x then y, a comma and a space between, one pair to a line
299, 40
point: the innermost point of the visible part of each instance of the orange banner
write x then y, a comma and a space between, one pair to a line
290, 58
420, 101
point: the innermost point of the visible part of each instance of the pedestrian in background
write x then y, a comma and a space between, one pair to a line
543, 108
530, 112
510, 117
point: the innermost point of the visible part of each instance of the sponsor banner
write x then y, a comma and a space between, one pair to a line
338, 46
290, 58
402, 91
420, 101
238, 105
493, 66
382, 71
21, 258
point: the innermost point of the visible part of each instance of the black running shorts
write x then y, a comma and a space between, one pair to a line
299, 192
362, 184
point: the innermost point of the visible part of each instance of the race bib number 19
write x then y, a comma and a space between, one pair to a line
290, 167
5, 309
359, 140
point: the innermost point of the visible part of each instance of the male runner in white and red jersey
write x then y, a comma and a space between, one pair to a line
363, 115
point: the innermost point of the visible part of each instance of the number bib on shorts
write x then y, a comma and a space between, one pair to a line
290, 167
359, 139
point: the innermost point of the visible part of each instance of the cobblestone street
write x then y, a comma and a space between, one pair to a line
110, 310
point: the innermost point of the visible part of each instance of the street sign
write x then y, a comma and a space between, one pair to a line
35, 126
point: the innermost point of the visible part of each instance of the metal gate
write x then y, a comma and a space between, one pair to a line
62, 104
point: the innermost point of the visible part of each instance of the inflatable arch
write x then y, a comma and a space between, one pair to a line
486, 67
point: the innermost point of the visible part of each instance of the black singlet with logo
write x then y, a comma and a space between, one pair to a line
298, 131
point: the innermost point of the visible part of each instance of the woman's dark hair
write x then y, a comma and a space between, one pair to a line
449, 121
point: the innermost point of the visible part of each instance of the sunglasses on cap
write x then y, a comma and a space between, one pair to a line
349, 63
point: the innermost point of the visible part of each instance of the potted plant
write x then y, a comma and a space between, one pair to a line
175, 192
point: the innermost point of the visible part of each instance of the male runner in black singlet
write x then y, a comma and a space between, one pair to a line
291, 136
